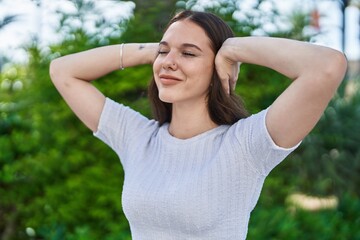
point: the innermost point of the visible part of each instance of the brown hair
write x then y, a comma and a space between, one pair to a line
223, 108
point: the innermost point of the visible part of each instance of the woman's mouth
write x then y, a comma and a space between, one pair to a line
169, 79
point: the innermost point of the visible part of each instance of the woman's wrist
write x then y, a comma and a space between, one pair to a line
229, 49
133, 54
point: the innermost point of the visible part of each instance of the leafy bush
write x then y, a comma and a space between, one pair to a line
328, 161
279, 222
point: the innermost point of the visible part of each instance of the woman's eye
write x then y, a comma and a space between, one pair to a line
189, 54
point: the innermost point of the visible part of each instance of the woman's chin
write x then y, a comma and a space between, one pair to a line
166, 98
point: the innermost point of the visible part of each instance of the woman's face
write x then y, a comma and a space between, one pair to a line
184, 66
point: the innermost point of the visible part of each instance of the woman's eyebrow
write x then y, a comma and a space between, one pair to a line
183, 45
191, 45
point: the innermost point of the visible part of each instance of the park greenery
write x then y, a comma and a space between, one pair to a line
59, 182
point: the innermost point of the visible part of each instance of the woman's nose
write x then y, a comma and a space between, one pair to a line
170, 61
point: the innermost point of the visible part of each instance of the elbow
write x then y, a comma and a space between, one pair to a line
327, 70
336, 67
58, 71
54, 70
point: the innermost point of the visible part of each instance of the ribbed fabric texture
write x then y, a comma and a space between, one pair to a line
204, 187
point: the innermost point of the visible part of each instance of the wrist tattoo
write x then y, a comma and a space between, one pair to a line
141, 46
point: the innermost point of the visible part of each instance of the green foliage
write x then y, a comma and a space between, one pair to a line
149, 20
50, 188
278, 221
328, 161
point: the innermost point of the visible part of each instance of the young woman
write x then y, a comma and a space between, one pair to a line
197, 169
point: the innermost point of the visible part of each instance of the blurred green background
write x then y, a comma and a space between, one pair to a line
59, 182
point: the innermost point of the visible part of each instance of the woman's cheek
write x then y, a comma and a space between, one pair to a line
156, 65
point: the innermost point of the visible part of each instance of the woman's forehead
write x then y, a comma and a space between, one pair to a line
186, 31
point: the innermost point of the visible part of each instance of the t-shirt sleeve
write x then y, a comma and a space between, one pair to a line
118, 125
260, 150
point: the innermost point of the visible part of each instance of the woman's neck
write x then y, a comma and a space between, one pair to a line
189, 120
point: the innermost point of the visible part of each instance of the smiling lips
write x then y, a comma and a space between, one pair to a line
168, 79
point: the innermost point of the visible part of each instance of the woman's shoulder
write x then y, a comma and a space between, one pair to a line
119, 116
253, 119
246, 128
117, 109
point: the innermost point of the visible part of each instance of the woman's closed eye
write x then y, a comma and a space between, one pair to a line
188, 54
162, 52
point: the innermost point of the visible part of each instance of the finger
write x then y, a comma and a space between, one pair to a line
224, 79
233, 83
228, 87
235, 76
234, 80
225, 82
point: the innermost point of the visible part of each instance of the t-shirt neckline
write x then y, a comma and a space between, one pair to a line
164, 130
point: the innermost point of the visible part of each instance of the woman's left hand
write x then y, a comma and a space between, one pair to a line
227, 69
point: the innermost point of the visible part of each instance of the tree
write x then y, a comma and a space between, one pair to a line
5, 21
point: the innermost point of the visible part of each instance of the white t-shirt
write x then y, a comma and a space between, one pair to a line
204, 187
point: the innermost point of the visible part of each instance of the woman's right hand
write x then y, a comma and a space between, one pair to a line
227, 69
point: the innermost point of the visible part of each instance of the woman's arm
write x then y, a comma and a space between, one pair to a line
72, 75
316, 72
